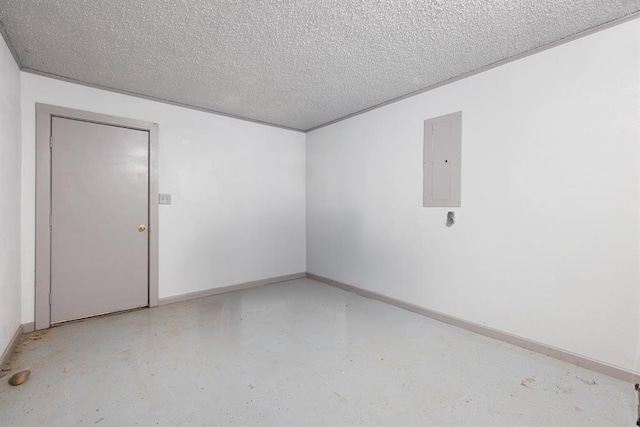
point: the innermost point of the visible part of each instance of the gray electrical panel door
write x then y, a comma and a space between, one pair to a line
442, 161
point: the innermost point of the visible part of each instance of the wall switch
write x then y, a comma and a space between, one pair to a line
165, 198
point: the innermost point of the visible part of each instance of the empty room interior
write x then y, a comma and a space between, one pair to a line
372, 212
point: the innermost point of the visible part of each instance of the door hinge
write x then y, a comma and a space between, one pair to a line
49, 298
49, 220
50, 142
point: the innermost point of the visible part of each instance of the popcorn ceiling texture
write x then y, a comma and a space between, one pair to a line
294, 63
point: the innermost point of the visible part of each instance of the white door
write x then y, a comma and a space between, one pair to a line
99, 215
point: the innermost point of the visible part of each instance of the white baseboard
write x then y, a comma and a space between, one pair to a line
556, 353
230, 288
28, 327
6, 355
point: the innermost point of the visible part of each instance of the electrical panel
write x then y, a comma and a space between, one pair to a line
442, 161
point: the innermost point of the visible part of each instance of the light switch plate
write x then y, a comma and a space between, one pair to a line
165, 198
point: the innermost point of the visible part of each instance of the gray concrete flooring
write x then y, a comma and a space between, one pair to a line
296, 353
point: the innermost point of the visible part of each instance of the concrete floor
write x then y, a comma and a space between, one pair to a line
296, 353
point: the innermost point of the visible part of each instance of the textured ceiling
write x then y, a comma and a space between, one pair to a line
294, 63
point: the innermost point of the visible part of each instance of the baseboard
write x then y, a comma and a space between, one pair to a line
556, 353
230, 288
11, 346
28, 327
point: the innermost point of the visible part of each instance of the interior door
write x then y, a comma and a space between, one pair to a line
99, 214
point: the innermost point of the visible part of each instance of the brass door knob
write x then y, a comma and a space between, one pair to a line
142, 228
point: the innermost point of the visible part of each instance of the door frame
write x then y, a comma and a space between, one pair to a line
44, 116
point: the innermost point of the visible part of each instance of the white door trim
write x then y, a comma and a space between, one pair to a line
44, 114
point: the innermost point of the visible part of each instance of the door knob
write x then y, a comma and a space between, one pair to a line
142, 228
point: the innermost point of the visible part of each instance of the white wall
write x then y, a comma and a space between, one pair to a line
238, 193
10, 148
547, 240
